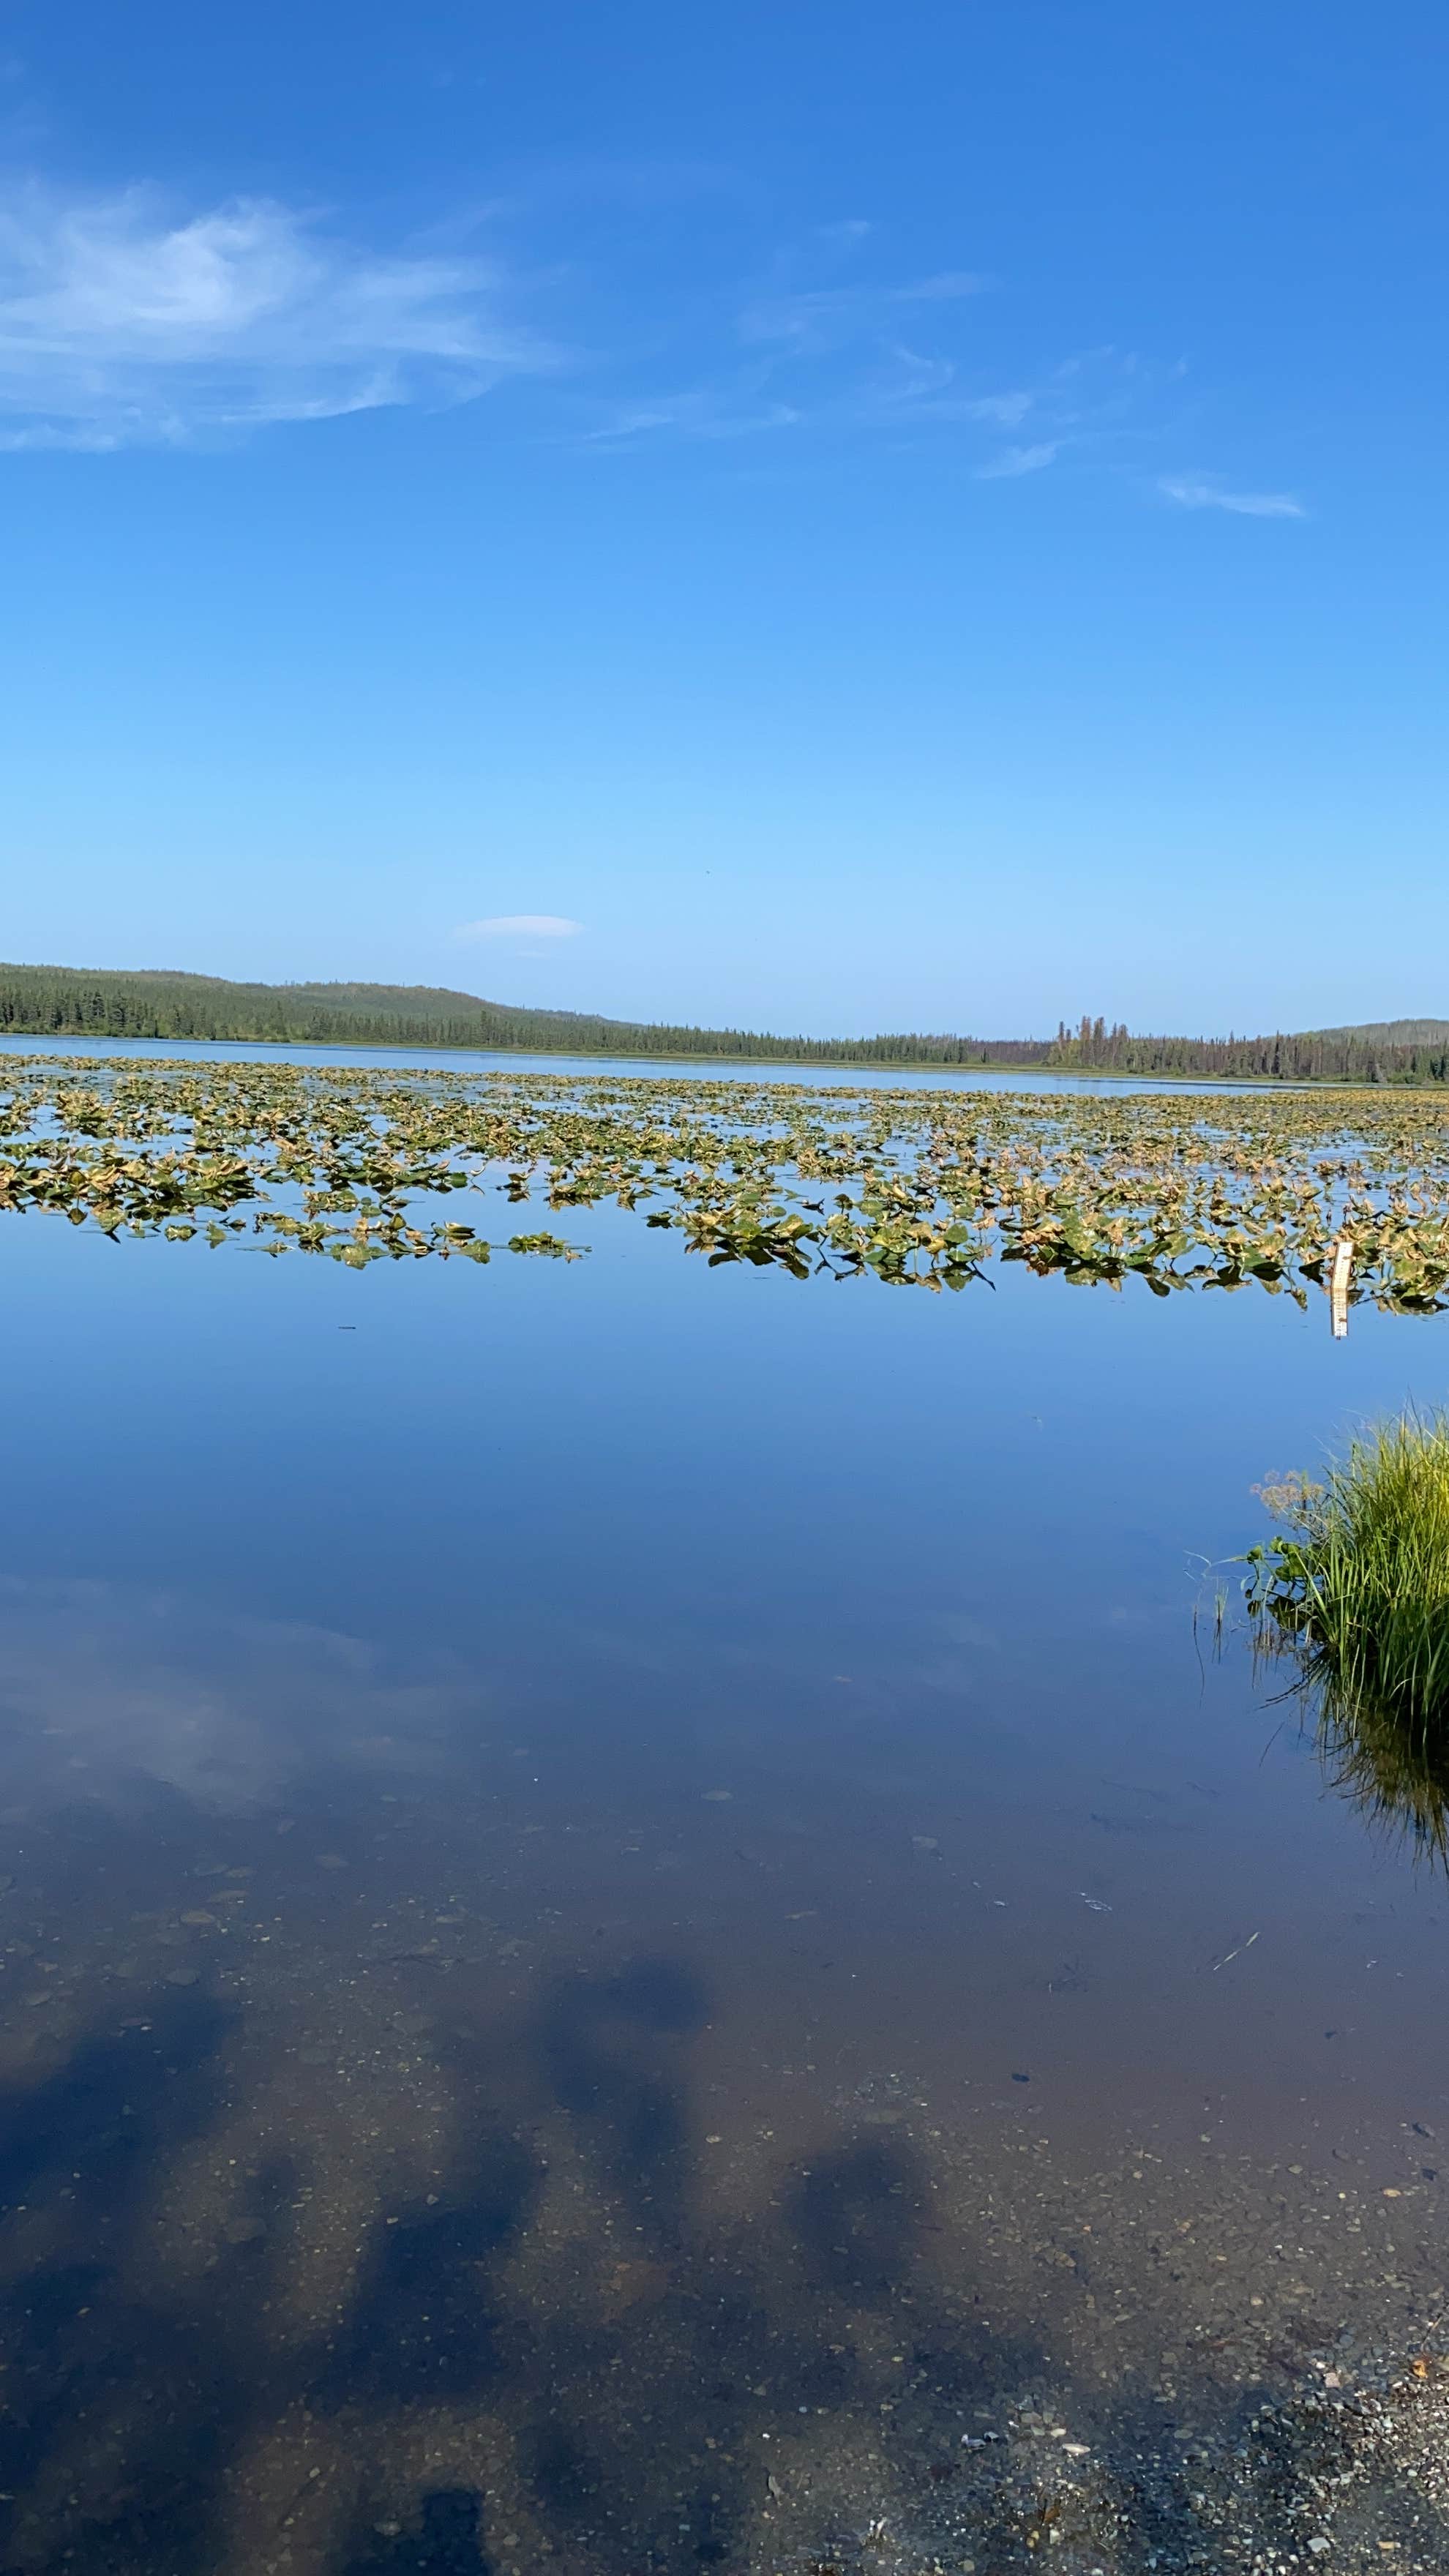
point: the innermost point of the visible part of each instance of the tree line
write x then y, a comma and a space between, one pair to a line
1310, 1055
54, 1001
65, 1002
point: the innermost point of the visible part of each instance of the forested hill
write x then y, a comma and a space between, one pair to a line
65, 1001
1414, 1051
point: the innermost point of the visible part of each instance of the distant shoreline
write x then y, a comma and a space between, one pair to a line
958, 1074
93, 1004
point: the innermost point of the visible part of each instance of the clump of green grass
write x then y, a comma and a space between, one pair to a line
1357, 1583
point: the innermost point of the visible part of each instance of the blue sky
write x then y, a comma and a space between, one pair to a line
839, 517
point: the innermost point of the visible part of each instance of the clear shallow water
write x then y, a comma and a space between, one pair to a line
623, 1880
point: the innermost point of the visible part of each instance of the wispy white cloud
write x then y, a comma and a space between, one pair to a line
1199, 492
818, 319
700, 412
902, 388
1020, 460
520, 925
821, 348
1004, 411
123, 322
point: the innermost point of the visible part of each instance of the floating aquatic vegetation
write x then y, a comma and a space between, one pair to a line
551, 1246
1355, 1588
917, 1188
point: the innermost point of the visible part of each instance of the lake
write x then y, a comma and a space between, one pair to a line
640, 1931
854, 1077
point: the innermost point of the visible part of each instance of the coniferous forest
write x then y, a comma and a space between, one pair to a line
63, 1001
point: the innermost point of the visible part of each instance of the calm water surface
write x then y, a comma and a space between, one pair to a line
629, 1904
853, 1077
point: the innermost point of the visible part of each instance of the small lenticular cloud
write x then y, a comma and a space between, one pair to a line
520, 925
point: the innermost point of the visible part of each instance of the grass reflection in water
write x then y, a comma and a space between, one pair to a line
1355, 1587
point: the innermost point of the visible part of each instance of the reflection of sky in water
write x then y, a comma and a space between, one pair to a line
597, 1854
104, 1692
